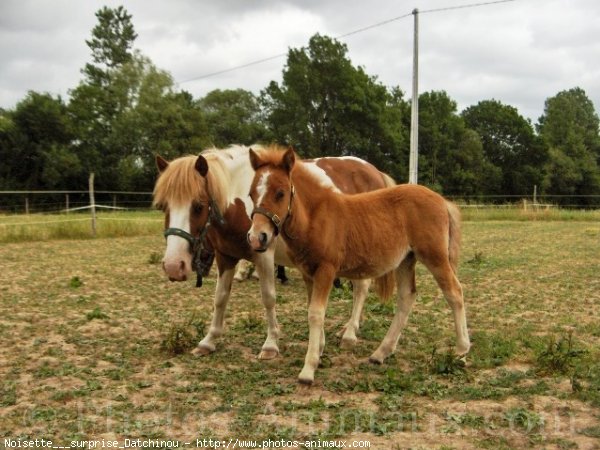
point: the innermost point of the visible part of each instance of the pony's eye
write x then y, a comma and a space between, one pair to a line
279, 194
197, 208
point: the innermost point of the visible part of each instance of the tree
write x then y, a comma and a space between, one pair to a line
233, 117
126, 110
111, 43
35, 144
158, 121
99, 100
569, 128
326, 106
451, 158
509, 142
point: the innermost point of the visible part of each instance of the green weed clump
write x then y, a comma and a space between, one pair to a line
154, 258
446, 363
75, 282
8, 394
96, 313
182, 336
528, 421
559, 356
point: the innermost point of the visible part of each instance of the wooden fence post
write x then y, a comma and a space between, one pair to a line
67, 203
92, 204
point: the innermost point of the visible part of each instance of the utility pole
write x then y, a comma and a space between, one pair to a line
413, 163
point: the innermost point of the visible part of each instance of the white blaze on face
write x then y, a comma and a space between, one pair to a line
177, 247
262, 186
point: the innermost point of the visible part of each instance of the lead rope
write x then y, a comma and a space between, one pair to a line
203, 258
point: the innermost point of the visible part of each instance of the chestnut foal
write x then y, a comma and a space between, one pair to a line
365, 235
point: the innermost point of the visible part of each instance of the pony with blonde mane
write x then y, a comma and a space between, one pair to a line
331, 234
205, 198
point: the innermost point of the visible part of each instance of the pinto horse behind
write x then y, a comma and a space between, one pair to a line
331, 234
206, 196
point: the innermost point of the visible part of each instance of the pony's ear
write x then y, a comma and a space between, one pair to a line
201, 165
161, 163
255, 160
289, 158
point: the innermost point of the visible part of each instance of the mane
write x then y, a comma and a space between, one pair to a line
180, 183
272, 154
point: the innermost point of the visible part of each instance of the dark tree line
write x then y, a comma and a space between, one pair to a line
125, 110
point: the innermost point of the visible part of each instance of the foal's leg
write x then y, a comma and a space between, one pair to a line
309, 290
321, 287
450, 286
407, 292
359, 294
264, 266
226, 268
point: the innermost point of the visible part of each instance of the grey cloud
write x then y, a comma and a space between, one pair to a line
519, 53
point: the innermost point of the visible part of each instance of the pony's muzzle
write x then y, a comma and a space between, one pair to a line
258, 241
175, 270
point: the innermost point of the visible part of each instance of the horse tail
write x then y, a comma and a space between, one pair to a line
387, 180
454, 235
385, 285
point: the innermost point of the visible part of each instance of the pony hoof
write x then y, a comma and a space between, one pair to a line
202, 351
268, 353
306, 376
305, 381
348, 342
375, 360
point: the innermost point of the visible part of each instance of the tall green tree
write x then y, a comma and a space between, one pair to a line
126, 110
111, 44
451, 158
327, 106
233, 117
99, 100
510, 143
570, 129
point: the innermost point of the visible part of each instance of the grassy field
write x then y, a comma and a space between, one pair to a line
43, 227
90, 330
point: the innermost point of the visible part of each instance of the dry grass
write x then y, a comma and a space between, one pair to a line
83, 326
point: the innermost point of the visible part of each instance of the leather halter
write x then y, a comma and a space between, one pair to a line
274, 218
197, 243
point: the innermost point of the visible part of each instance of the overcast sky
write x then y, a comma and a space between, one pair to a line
519, 53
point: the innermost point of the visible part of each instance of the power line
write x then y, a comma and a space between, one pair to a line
350, 33
471, 5
281, 55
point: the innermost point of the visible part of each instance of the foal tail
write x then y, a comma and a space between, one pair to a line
454, 235
385, 285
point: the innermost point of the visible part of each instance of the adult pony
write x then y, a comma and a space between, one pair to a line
356, 236
207, 196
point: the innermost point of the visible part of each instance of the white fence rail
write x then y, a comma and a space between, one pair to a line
66, 201
58, 201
